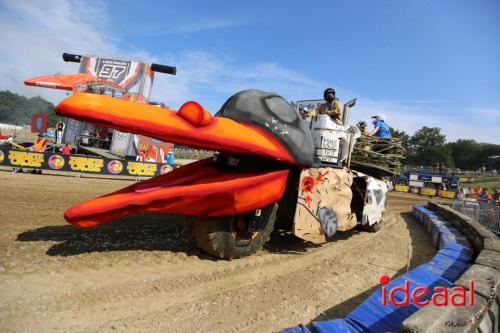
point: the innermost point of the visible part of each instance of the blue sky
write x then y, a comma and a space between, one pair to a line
434, 63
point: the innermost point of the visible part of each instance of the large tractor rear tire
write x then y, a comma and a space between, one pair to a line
235, 236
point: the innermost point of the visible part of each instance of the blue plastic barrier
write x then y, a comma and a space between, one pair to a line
454, 256
336, 325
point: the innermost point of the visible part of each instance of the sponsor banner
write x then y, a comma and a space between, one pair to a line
310, 104
416, 184
437, 179
39, 122
134, 77
413, 176
151, 150
425, 177
81, 163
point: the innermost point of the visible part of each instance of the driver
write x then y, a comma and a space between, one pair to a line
331, 106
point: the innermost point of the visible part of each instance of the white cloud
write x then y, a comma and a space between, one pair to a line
184, 29
34, 35
203, 26
39, 32
482, 125
211, 78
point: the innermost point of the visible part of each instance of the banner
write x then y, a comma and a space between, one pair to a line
151, 150
39, 122
136, 78
81, 163
310, 104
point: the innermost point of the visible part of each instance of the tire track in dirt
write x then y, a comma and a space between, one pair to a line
116, 288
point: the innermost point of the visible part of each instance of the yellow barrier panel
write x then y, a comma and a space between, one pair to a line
428, 191
402, 188
447, 194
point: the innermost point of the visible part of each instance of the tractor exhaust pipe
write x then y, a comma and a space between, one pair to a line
164, 69
345, 113
68, 57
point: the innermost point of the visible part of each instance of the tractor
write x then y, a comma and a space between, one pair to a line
271, 168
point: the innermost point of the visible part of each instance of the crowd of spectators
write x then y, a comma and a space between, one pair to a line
481, 194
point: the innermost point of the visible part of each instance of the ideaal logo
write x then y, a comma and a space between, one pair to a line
439, 296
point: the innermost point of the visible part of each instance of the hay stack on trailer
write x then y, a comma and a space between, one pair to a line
378, 155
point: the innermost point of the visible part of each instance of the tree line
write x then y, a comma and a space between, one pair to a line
428, 146
17, 110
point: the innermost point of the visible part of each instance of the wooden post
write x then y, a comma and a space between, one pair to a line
408, 259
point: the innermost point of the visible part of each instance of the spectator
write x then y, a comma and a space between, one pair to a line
496, 196
381, 129
66, 149
331, 106
482, 193
304, 112
472, 191
40, 144
363, 127
444, 186
59, 131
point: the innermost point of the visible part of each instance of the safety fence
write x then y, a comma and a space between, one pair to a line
486, 214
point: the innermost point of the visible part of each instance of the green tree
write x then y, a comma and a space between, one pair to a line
404, 137
17, 109
471, 155
428, 146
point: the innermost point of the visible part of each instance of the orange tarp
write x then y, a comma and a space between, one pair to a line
201, 189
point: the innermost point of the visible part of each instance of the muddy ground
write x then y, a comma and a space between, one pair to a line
144, 275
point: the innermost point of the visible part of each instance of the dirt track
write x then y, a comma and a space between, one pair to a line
143, 275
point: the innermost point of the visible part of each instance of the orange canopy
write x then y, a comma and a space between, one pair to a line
66, 81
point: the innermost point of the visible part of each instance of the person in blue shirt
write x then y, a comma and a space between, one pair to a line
381, 129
